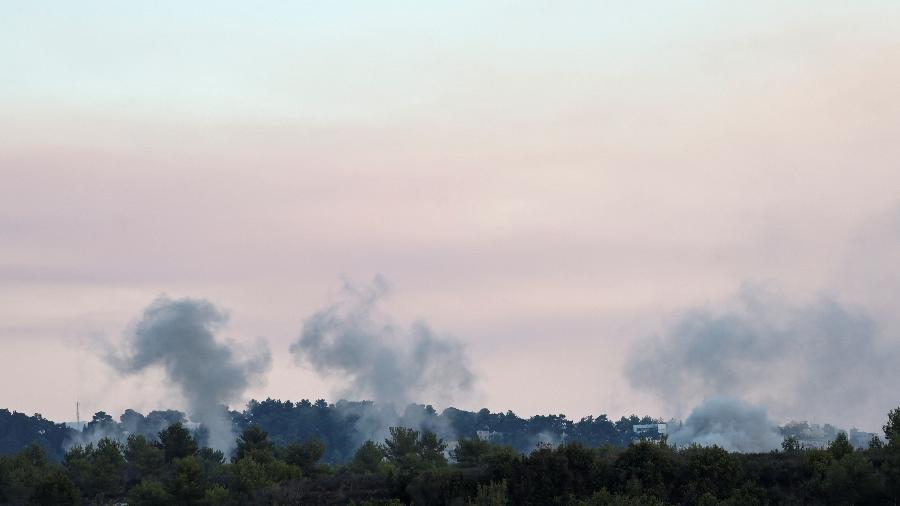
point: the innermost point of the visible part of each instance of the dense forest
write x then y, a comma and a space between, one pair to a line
282, 456
342, 427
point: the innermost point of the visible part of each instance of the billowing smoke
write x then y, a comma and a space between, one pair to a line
817, 360
379, 361
729, 424
180, 336
131, 422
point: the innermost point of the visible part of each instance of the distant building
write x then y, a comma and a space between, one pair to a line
487, 435
860, 439
813, 435
649, 430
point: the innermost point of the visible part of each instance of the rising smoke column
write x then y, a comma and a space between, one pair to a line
729, 424
818, 359
378, 361
180, 336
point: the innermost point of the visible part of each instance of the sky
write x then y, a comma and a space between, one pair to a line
552, 184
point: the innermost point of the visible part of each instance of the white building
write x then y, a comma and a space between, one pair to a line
650, 430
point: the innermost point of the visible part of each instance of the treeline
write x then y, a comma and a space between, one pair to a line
342, 426
413, 467
19, 431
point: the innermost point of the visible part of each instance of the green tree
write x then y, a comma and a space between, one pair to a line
77, 463
187, 484
710, 470
28, 477
469, 452
144, 459
249, 476
101, 421
646, 467
402, 443
840, 446
431, 449
54, 487
891, 466
491, 494
892, 428
97, 471
212, 461
108, 466
304, 455
368, 458
852, 480
177, 443
149, 492
875, 443
791, 445
254, 442
402, 450
217, 495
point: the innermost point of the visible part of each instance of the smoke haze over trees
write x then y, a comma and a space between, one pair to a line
413, 466
724, 422
337, 425
816, 357
808, 360
180, 336
729, 424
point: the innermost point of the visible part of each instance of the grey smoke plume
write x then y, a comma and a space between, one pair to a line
819, 359
180, 336
371, 421
379, 361
102, 426
729, 424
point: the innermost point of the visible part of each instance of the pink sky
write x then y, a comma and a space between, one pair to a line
545, 184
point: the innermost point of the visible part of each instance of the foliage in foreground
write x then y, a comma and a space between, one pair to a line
412, 467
